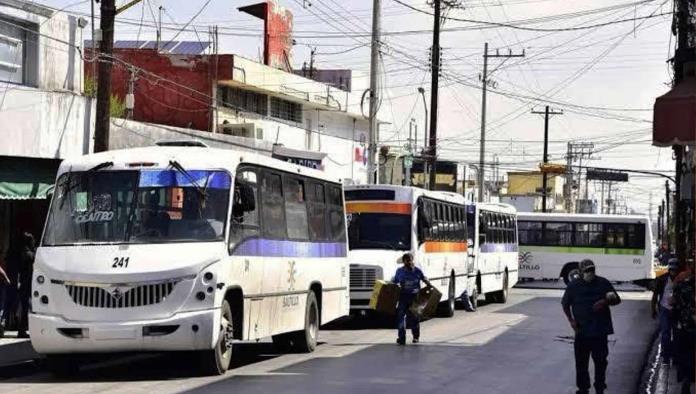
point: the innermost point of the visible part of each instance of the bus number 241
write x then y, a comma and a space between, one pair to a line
120, 262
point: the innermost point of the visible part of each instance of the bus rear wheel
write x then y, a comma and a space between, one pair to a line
216, 361
501, 296
305, 341
446, 309
570, 272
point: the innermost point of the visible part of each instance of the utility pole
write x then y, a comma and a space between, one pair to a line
101, 129
685, 53
94, 45
159, 29
664, 222
484, 88
106, 25
659, 223
374, 93
547, 112
667, 223
435, 76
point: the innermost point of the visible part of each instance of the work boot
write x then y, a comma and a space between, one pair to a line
23, 334
416, 340
401, 341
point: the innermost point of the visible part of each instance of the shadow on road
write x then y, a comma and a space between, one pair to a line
145, 367
534, 356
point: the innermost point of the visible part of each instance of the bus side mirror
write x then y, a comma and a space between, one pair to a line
244, 201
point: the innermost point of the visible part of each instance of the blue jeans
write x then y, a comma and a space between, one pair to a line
404, 317
666, 332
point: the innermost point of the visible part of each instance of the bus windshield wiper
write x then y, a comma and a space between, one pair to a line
70, 187
202, 191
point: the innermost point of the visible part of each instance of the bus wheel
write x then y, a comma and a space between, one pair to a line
305, 341
216, 361
62, 365
446, 309
570, 273
474, 299
502, 295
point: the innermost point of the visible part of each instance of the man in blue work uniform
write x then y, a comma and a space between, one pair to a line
586, 305
408, 278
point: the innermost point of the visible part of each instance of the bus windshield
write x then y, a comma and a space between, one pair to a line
379, 231
138, 206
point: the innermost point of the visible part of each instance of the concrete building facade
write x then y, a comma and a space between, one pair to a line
44, 114
231, 95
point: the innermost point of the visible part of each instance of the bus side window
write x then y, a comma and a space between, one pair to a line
295, 208
273, 212
244, 221
483, 229
316, 204
423, 221
337, 217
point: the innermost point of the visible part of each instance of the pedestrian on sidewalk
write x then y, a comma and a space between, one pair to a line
586, 305
20, 262
408, 278
685, 327
4, 287
662, 307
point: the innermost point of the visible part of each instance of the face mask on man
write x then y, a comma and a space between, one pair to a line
588, 276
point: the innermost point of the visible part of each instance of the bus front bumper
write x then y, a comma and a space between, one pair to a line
183, 331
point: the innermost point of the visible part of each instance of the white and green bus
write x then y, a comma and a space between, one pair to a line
552, 244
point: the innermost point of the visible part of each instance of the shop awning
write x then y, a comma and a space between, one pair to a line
24, 178
674, 116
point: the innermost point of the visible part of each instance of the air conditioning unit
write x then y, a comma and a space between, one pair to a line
246, 130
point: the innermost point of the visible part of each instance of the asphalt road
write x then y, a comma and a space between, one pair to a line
523, 346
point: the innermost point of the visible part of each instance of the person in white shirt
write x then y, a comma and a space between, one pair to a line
662, 308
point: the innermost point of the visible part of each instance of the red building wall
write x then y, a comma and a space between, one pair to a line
173, 90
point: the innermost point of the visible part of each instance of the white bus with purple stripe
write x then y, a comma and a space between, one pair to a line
492, 233
187, 249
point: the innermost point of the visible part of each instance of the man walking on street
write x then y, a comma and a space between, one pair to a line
408, 278
586, 304
662, 308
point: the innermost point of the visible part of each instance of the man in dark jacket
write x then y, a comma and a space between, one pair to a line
20, 263
662, 307
586, 304
685, 327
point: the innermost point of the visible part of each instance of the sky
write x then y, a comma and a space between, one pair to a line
605, 78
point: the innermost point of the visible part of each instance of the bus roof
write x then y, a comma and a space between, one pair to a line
190, 157
578, 217
412, 193
496, 207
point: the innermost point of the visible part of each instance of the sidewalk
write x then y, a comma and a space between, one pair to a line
660, 378
14, 350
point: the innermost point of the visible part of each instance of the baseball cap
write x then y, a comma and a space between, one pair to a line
586, 265
673, 263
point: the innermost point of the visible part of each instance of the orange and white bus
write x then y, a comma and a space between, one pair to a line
386, 221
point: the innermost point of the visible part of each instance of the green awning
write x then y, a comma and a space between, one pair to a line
23, 178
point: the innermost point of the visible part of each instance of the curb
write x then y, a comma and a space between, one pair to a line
16, 352
652, 368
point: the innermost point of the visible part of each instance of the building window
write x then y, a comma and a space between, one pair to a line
286, 110
18, 52
243, 100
